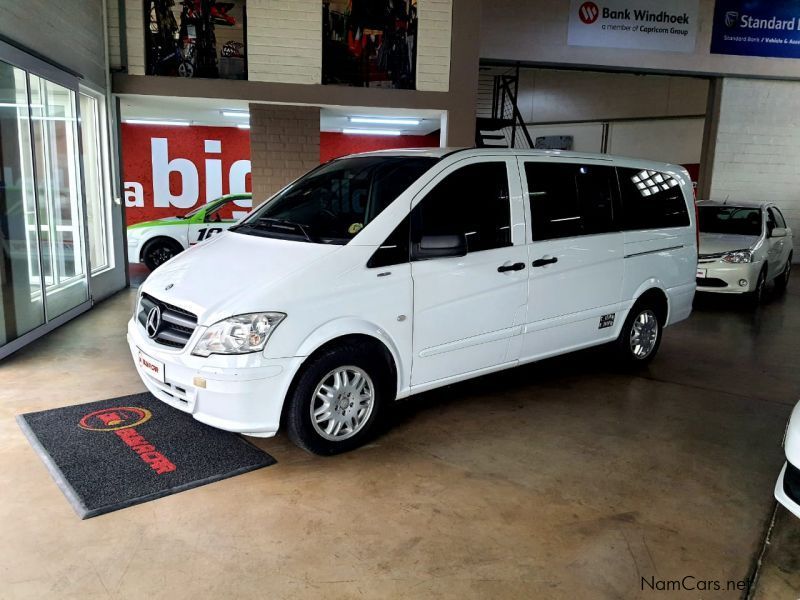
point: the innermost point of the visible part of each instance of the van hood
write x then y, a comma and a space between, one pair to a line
230, 274
716, 243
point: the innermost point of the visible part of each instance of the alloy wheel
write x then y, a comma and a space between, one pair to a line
644, 333
342, 403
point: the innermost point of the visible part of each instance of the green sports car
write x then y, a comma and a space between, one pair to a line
155, 242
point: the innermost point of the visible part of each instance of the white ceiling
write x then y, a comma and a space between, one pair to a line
208, 111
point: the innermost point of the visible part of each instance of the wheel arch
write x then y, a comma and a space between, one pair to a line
316, 344
654, 290
352, 329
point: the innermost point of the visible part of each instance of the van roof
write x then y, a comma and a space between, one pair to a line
555, 154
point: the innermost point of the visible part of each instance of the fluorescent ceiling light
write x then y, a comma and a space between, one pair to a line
242, 114
243, 126
372, 131
384, 120
19, 105
156, 122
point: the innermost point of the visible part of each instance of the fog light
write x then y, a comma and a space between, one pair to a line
743, 282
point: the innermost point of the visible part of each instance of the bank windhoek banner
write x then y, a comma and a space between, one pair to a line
669, 25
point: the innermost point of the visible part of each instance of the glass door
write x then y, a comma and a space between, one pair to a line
60, 206
22, 308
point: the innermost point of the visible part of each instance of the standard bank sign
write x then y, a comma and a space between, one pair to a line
667, 25
756, 28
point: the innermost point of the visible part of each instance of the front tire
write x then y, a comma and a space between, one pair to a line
338, 400
782, 282
756, 297
640, 338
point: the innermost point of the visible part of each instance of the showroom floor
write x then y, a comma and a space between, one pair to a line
566, 479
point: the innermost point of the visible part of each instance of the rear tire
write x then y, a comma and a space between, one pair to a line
782, 282
640, 338
339, 399
159, 251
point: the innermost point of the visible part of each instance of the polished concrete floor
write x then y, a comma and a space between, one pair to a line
564, 479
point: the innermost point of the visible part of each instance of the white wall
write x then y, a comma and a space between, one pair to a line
536, 31
284, 41
757, 154
433, 46
677, 141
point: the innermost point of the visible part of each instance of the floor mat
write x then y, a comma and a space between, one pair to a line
115, 453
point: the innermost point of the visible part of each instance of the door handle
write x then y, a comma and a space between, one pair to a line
514, 267
544, 261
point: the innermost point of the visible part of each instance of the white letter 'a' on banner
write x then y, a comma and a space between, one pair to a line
162, 167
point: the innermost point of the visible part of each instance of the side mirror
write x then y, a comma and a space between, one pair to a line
440, 246
778, 232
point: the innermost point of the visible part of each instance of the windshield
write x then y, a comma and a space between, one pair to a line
735, 220
332, 203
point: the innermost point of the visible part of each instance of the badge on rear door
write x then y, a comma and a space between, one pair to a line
606, 321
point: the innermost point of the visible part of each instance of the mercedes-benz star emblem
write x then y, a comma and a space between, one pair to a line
153, 322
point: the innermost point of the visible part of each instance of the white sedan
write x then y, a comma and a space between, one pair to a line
787, 490
743, 245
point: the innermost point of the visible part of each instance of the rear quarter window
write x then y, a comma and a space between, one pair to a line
651, 200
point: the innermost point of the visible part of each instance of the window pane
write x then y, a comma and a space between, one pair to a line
779, 218
21, 307
651, 200
57, 182
570, 199
395, 250
335, 201
95, 179
472, 201
734, 220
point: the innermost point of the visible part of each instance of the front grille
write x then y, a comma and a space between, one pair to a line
791, 482
177, 324
712, 256
711, 282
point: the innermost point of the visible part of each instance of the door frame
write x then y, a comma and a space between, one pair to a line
33, 65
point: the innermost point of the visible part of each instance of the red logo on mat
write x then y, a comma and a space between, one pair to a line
111, 419
588, 12
122, 420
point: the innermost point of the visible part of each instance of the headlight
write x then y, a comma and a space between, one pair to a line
238, 335
738, 256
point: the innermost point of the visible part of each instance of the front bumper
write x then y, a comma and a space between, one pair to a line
723, 278
133, 251
243, 395
787, 489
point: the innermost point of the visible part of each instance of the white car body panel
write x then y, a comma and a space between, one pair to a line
442, 320
792, 448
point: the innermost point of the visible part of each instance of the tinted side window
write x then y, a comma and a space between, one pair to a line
472, 201
394, 250
651, 200
570, 199
772, 222
778, 217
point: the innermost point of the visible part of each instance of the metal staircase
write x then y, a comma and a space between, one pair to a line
499, 121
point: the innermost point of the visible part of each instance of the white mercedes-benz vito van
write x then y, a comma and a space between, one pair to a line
380, 275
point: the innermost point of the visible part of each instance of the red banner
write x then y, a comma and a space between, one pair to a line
170, 170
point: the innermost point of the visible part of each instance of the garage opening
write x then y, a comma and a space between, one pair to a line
649, 116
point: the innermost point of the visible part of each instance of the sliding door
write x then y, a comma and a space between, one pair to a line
57, 217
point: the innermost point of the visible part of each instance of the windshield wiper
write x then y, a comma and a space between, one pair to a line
279, 224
